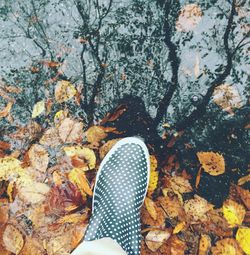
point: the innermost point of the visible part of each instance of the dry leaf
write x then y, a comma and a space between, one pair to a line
196, 209
227, 246
151, 207
82, 153
32, 246
73, 218
155, 238
4, 215
95, 134
13, 239
178, 247
33, 192
77, 235
78, 177
70, 131
227, 97
244, 196
38, 157
59, 245
212, 163
179, 184
64, 91
38, 108
233, 212
179, 227
189, 18
60, 116
50, 138
197, 66
243, 238
204, 245
154, 175
107, 147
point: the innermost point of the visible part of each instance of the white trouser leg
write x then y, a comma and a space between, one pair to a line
103, 246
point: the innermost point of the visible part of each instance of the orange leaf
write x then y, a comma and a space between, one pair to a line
151, 208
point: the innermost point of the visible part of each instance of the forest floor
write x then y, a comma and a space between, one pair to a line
46, 191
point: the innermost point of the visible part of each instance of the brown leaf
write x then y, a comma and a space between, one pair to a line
107, 147
39, 157
5, 111
179, 184
151, 207
204, 245
155, 238
95, 134
4, 215
244, 196
32, 246
13, 239
110, 117
4, 146
70, 131
50, 138
227, 246
196, 209
212, 163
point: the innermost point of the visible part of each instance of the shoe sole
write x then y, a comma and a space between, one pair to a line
121, 142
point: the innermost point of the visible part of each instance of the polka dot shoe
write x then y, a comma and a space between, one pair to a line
120, 189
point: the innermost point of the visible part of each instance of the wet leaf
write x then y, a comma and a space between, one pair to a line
204, 245
156, 238
243, 238
38, 157
212, 163
70, 131
64, 91
154, 175
233, 212
78, 177
227, 246
189, 18
38, 108
151, 207
13, 239
83, 153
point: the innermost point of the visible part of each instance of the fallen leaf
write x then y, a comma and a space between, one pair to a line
73, 218
177, 246
64, 91
32, 246
244, 179
105, 148
4, 145
4, 215
189, 17
233, 212
244, 196
77, 235
5, 112
50, 138
243, 238
212, 163
204, 245
150, 206
70, 131
227, 246
38, 108
154, 176
227, 97
179, 227
33, 192
155, 238
59, 245
196, 209
60, 116
78, 177
13, 239
179, 184
83, 153
38, 157
95, 134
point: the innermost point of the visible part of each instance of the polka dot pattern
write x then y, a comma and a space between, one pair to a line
119, 194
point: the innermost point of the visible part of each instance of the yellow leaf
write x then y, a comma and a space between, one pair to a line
64, 91
243, 238
154, 175
72, 218
179, 227
244, 179
82, 152
150, 205
190, 16
233, 212
38, 108
10, 168
212, 163
204, 245
13, 239
155, 238
77, 176
59, 116
227, 246
95, 134
10, 191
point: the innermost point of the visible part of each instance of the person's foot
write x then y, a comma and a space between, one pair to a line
120, 189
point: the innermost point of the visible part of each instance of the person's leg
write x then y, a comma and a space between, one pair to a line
120, 189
